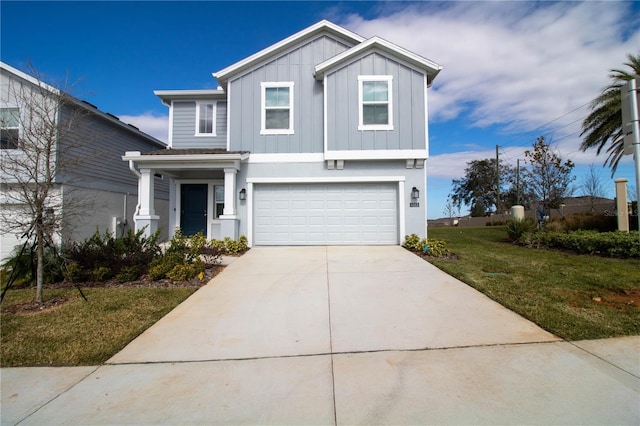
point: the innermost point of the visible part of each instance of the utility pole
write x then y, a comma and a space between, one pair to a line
631, 130
497, 180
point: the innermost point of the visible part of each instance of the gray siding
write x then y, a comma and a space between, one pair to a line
98, 146
296, 65
409, 115
184, 127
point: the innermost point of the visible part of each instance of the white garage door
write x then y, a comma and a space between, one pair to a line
326, 214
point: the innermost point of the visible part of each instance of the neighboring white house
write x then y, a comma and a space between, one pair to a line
319, 139
100, 178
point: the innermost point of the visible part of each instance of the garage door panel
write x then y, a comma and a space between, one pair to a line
319, 214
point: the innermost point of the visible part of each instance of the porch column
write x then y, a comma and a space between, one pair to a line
145, 216
229, 221
229, 192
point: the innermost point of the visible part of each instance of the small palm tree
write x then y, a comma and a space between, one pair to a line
603, 126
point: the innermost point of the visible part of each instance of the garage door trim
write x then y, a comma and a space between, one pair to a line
400, 180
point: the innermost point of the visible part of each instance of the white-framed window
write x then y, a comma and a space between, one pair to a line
9, 127
375, 106
218, 202
276, 108
205, 118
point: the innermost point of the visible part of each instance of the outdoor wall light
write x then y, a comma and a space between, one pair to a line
415, 193
243, 194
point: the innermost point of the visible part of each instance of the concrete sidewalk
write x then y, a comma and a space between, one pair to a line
338, 335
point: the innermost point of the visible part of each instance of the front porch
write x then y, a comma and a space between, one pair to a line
203, 190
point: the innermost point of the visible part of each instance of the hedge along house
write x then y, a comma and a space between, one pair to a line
319, 139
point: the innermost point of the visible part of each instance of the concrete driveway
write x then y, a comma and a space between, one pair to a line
338, 335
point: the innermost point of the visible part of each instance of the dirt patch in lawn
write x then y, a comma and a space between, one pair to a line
619, 299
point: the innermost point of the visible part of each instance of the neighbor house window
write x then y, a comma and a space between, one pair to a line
205, 119
9, 128
218, 200
375, 102
277, 108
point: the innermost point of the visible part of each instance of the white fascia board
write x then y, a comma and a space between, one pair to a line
141, 159
282, 45
347, 179
286, 158
187, 95
28, 78
394, 154
414, 59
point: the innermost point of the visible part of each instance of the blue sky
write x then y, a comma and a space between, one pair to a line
512, 71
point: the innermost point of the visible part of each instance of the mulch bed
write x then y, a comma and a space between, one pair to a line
51, 303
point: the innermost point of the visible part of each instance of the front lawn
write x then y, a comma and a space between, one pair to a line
70, 331
573, 296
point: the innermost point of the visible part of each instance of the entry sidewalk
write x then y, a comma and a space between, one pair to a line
338, 335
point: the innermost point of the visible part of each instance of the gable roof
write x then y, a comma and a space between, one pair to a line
223, 76
431, 68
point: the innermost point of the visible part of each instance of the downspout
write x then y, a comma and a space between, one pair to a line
132, 167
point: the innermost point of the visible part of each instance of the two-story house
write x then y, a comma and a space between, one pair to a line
91, 188
319, 139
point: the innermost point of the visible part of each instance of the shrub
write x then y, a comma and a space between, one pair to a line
185, 271
517, 227
23, 266
611, 244
102, 256
428, 246
436, 248
101, 273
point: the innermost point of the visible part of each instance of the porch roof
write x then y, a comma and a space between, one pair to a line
187, 159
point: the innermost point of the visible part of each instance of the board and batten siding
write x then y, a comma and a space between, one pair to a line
408, 102
184, 127
99, 145
297, 66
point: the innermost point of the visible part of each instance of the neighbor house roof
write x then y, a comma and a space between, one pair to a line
82, 104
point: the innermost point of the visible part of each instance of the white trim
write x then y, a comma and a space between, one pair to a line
229, 118
401, 212
249, 213
282, 45
325, 119
376, 78
348, 179
170, 136
214, 112
411, 58
426, 117
286, 158
378, 154
263, 107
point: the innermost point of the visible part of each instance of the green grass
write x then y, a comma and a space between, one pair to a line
554, 289
79, 332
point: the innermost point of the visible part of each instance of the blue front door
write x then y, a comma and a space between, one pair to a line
193, 209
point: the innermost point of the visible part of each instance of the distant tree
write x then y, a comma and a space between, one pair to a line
478, 188
603, 126
40, 155
451, 208
550, 177
591, 186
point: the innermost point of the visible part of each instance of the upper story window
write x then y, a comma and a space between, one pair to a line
9, 128
277, 108
205, 118
375, 109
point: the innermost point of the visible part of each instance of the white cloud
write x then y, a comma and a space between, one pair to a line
154, 125
517, 65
